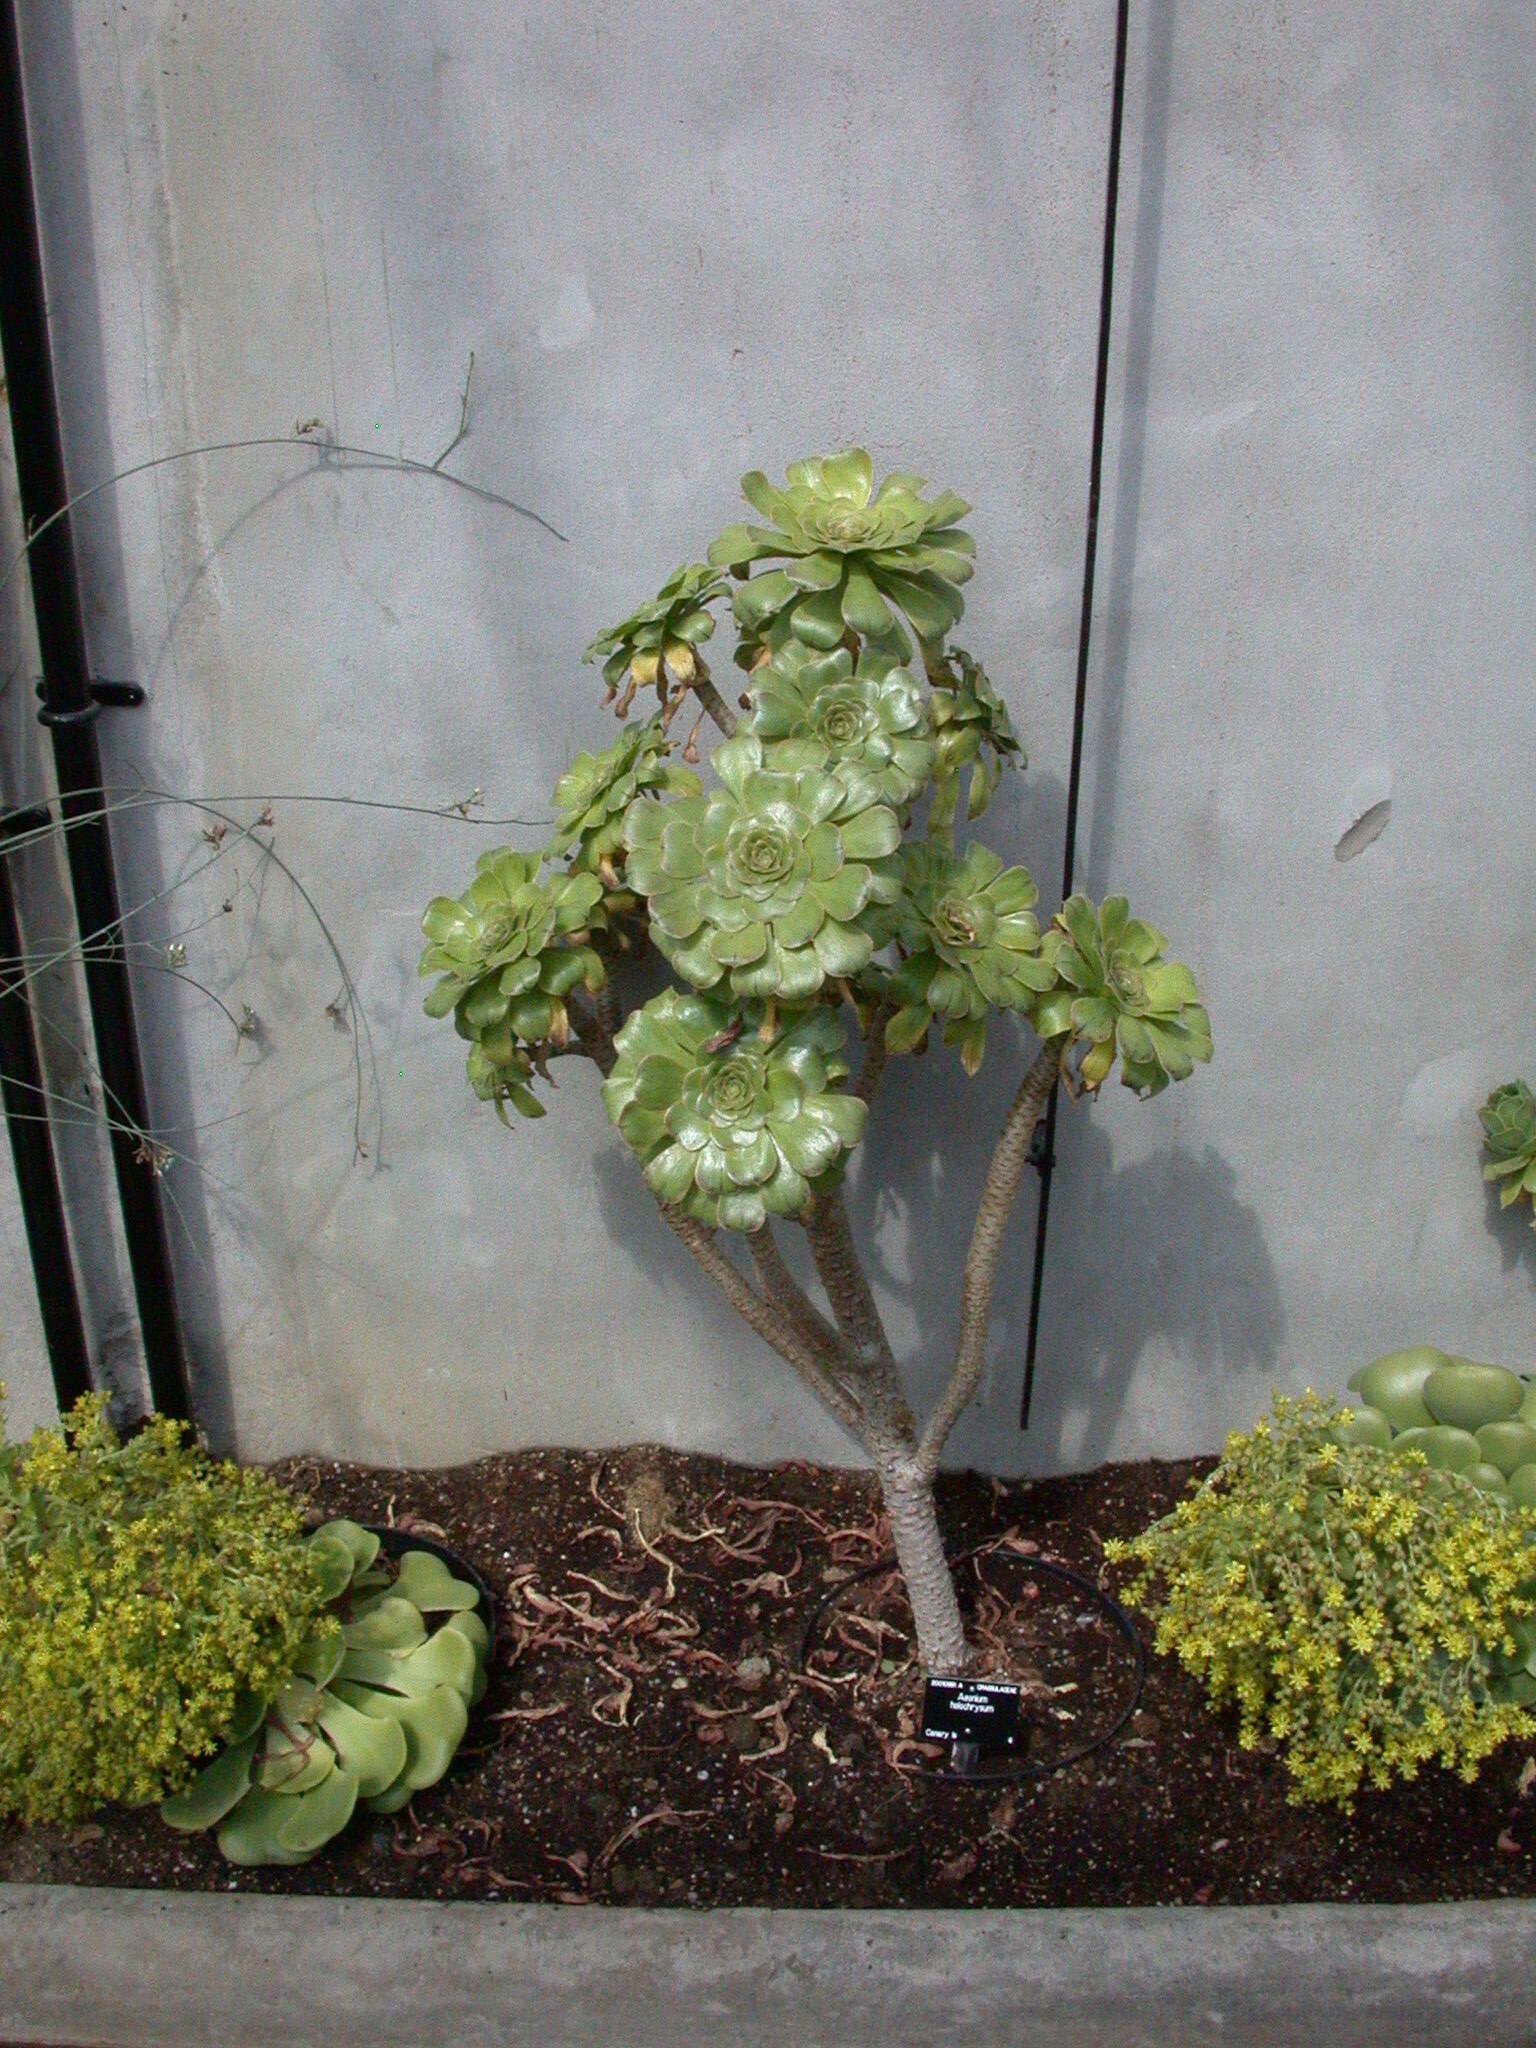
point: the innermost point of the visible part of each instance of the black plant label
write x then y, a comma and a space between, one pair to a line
979, 1710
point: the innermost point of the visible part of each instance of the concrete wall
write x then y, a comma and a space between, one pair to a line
684, 240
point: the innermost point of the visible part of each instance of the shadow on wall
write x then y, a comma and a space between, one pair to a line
1162, 1249
1159, 1251
1511, 1231
1506, 137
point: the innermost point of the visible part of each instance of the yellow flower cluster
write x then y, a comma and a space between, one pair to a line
144, 1586
1362, 1609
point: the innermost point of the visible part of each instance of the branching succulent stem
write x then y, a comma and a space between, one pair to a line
770, 1323
851, 1369
786, 1294
843, 1276
997, 1198
606, 1006
595, 1038
711, 698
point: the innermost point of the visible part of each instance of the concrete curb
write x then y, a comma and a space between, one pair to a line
196, 1970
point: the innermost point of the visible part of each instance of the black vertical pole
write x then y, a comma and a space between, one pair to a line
1047, 1153
23, 1095
69, 710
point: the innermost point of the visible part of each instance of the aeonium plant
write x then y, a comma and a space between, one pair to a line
1508, 1118
819, 920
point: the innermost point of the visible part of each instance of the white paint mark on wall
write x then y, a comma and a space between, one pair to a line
570, 317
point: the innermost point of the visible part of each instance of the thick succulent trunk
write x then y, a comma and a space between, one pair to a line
941, 1643
851, 1367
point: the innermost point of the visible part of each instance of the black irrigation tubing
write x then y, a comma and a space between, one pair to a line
1113, 1612
1045, 1154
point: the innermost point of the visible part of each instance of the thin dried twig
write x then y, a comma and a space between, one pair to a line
661, 1816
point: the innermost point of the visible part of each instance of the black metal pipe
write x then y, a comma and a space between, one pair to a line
24, 1095
1046, 1160
68, 710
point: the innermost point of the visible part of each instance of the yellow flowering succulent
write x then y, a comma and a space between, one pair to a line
147, 1591
1388, 1612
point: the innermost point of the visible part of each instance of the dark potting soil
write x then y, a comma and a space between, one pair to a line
651, 1738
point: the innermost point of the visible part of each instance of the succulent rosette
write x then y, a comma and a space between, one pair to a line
1508, 1118
664, 632
853, 558
1116, 993
372, 1713
868, 721
971, 941
765, 884
509, 950
593, 794
971, 728
730, 1127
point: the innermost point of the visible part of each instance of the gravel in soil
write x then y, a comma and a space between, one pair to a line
654, 1736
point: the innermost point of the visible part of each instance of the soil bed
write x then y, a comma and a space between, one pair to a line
651, 1738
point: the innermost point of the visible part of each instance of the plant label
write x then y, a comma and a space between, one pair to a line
978, 1711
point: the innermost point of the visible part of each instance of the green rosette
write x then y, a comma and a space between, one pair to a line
374, 1712
867, 719
1116, 994
1508, 1118
972, 729
509, 951
593, 794
660, 638
730, 1126
854, 559
971, 943
766, 884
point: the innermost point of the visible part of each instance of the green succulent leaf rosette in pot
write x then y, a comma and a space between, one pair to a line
730, 1127
509, 950
593, 794
764, 883
662, 635
853, 558
1508, 1118
1116, 993
972, 943
373, 1713
869, 720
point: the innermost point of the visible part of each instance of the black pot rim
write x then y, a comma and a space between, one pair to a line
395, 1542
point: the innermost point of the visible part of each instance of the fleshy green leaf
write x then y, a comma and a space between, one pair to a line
214, 1792
427, 1583
373, 1750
